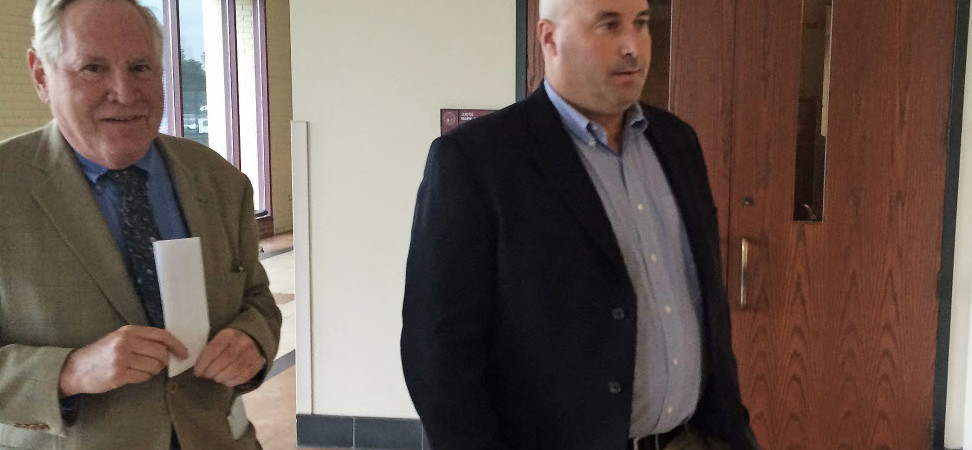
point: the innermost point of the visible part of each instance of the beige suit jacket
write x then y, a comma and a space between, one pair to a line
63, 285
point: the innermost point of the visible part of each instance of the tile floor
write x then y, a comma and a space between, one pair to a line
273, 410
273, 407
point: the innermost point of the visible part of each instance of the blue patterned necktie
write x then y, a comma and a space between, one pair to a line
139, 230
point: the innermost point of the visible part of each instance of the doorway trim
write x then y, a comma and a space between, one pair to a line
521, 49
949, 221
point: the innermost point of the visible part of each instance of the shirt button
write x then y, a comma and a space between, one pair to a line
669, 410
641, 206
675, 361
617, 313
654, 257
668, 309
614, 387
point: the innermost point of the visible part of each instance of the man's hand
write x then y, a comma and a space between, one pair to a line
231, 358
130, 354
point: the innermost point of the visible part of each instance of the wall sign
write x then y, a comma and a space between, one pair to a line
451, 118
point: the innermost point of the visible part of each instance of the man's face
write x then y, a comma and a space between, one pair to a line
598, 53
105, 89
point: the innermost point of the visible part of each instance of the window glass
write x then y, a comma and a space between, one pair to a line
199, 37
220, 89
156, 7
251, 152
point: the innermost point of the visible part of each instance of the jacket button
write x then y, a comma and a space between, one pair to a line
614, 387
173, 388
617, 313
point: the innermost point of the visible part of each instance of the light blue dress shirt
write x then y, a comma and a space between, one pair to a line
654, 245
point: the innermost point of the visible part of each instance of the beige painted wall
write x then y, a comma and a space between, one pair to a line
370, 79
21, 111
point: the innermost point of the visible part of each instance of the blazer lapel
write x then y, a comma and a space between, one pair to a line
65, 196
198, 200
556, 157
192, 192
674, 156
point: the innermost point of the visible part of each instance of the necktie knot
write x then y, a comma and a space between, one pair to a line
128, 178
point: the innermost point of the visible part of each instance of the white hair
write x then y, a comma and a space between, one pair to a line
47, 28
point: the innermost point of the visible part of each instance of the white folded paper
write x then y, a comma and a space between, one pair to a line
182, 283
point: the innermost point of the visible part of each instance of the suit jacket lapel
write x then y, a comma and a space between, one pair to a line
668, 156
556, 156
192, 192
197, 199
65, 196
674, 158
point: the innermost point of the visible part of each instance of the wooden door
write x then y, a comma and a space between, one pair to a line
836, 345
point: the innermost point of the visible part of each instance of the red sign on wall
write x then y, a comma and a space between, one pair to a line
451, 118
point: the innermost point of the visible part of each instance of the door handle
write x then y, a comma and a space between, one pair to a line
743, 267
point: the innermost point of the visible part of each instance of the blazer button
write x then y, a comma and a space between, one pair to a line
617, 313
614, 387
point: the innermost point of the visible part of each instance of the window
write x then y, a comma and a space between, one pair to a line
215, 82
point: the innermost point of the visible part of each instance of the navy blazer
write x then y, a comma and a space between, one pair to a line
511, 336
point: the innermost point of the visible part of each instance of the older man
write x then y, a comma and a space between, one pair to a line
82, 338
563, 287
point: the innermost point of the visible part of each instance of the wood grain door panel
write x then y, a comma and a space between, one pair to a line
702, 90
837, 347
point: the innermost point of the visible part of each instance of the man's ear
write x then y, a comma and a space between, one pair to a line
37, 74
545, 37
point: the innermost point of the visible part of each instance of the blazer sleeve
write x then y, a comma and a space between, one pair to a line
449, 297
259, 316
29, 386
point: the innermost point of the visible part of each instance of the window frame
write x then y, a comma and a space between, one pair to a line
173, 98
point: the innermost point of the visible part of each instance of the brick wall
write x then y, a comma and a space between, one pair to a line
20, 110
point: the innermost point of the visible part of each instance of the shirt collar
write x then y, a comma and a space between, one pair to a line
151, 163
583, 128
